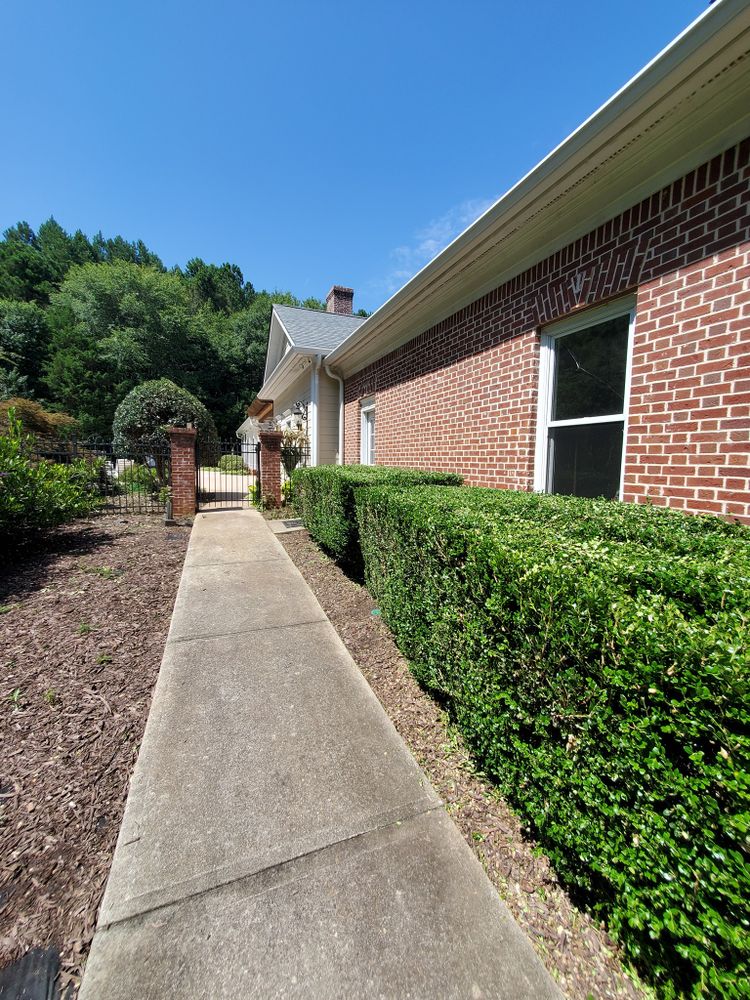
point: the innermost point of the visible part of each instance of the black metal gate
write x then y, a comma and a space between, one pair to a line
227, 474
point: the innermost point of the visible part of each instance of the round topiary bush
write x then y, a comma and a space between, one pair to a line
141, 417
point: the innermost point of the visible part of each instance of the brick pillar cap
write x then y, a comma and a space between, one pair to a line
181, 430
271, 435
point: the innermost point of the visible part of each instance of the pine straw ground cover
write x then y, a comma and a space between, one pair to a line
83, 624
579, 954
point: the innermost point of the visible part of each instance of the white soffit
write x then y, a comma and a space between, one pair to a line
690, 103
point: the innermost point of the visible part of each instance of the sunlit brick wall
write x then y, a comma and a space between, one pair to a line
462, 396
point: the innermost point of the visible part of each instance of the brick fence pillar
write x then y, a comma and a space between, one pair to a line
182, 441
270, 467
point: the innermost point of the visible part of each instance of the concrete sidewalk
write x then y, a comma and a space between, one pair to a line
279, 839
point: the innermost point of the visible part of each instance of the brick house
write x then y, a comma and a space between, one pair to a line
590, 333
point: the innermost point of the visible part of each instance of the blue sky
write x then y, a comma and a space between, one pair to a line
310, 143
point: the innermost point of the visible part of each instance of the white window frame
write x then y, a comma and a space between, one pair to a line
366, 409
544, 422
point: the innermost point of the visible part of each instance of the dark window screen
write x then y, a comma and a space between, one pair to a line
585, 461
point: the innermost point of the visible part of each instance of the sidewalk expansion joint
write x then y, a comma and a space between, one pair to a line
280, 866
245, 631
231, 562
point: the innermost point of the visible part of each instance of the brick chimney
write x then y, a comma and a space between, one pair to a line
340, 300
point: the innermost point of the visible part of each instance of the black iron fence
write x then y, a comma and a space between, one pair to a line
227, 474
128, 481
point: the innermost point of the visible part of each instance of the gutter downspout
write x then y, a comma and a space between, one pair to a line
314, 393
339, 379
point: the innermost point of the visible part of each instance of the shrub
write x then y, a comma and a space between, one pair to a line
139, 478
34, 419
36, 495
231, 463
597, 665
140, 419
324, 498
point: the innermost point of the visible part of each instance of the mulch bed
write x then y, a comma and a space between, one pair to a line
579, 954
83, 622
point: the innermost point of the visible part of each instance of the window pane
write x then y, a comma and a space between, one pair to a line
590, 371
586, 461
368, 437
371, 449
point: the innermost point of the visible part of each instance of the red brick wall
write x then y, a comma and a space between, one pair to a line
462, 396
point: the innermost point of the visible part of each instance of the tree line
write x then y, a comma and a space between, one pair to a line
84, 320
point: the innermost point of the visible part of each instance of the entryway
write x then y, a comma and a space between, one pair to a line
227, 475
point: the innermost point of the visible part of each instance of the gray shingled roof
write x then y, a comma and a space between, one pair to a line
320, 331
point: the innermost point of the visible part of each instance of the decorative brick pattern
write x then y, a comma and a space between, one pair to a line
462, 396
182, 442
270, 467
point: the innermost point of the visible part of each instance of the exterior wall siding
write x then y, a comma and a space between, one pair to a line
328, 419
462, 396
299, 391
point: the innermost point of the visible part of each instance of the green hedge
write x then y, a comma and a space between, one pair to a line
231, 463
595, 657
324, 499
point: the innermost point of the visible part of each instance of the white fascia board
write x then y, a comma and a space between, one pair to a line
672, 78
285, 372
276, 328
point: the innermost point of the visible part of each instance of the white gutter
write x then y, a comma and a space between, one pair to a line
718, 28
339, 379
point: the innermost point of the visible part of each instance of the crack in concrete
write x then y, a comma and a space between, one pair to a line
262, 874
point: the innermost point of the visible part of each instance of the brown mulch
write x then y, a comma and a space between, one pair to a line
578, 953
83, 623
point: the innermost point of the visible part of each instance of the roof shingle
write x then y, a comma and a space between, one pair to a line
316, 330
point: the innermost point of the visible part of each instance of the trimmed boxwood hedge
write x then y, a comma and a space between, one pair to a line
595, 656
324, 499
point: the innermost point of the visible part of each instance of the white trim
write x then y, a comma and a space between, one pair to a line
585, 318
312, 414
285, 372
366, 407
626, 402
544, 397
609, 418
552, 333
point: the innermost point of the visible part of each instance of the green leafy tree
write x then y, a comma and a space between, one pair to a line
223, 288
24, 338
107, 251
25, 273
141, 418
83, 321
120, 324
32, 265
